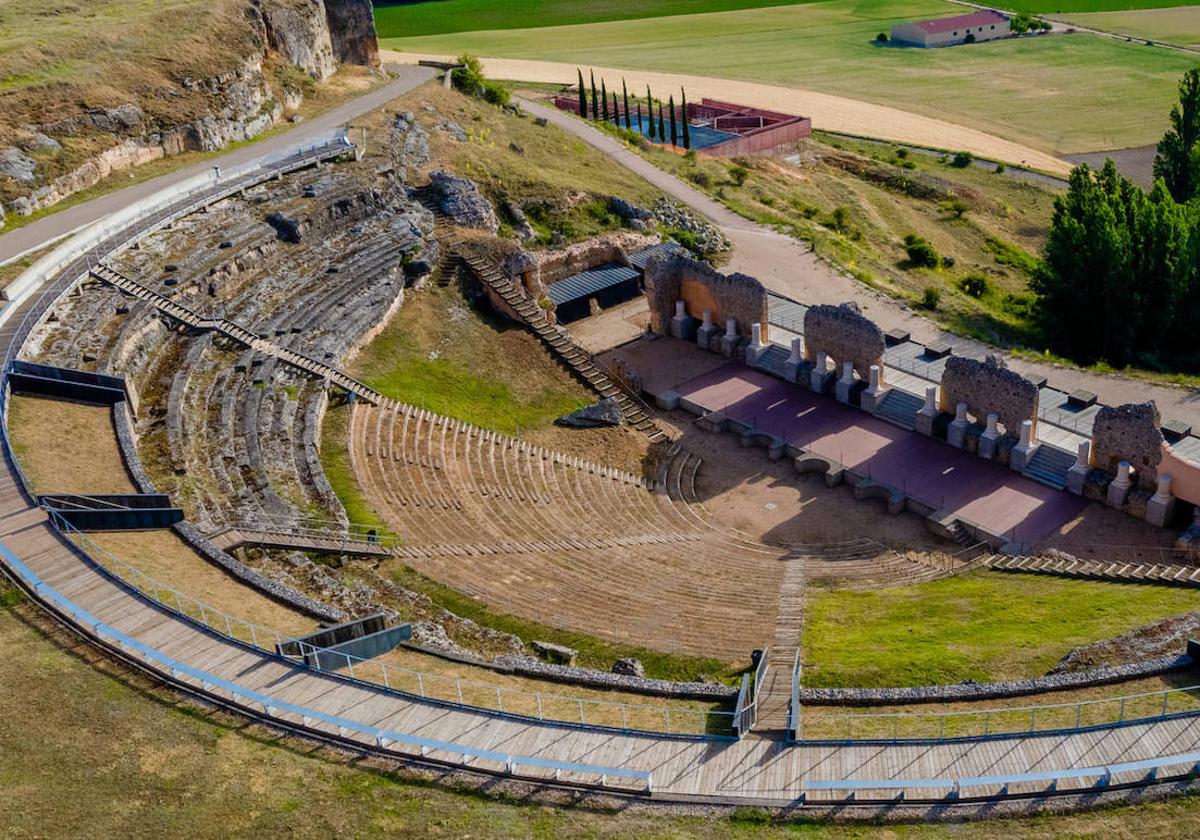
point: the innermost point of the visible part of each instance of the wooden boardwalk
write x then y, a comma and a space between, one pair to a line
754, 769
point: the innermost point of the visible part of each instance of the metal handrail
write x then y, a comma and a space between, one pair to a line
998, 721
273, 707
453, 691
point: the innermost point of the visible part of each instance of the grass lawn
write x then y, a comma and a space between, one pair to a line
91, 753
1049, 7
1177, 25
1059, 94
983, 626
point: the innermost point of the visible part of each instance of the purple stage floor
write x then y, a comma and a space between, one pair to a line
928, 470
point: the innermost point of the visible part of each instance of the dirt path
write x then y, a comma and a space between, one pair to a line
788, 267
830, 113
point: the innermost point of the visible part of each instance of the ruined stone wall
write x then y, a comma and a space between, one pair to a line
988, 387
675, 277
845, 335
1130, 433
539, 269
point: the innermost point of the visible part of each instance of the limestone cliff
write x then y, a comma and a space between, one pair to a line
259, 58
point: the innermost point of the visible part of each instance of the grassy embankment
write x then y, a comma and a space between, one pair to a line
91, 750
982, 626
1052, 93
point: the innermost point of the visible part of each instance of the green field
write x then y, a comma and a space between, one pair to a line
1047, 7
399, 20
1177, 25
1065, 94
982, 626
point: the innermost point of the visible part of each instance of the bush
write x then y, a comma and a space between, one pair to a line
931, 297
1001, 168
975, 285
839, 220
495, 93
738, 174
701, 179
881, 38
921, 253
469, 77
902, 152
962, 160
955, 206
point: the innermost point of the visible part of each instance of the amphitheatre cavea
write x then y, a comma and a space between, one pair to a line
686, 418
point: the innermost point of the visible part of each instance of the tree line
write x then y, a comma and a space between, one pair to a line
1119, 280
594, 103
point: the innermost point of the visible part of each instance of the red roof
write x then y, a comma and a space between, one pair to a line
951, 24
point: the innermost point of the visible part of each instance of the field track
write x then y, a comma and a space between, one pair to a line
828, 112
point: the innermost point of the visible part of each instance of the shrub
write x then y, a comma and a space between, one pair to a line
495, 93
902, 152
469, 77
955, 206
962, 160
701, 179
881, 38
921, 253
738, 174
1001, 168
839, 220
975, 285
931, 297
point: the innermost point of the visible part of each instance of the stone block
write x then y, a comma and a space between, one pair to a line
1081, 399
558, 654
1175, 430
937, 350
667, 400
897, 336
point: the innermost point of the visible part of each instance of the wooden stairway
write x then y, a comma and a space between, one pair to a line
234, 331
775, 694
1127, 572
560, 344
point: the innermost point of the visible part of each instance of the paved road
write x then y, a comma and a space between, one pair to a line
45, 230
790, 268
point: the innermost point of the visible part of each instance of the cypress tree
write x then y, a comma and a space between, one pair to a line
603, 101
662, 126
640, 126
687, 135
625, 97
595, 104
583, 112
674, 124
650, 111
616, 111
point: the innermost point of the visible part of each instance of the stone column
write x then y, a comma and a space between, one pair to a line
1077, 475
704, 335
928, 412
845, 383
756, 346
987, 441
1118, 488
1161, 504
1024, 451
876, 390
795, 362
682, 325
818, 378
731, 339
956, 435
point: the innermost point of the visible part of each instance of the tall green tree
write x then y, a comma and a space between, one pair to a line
662, 126
603, 101
639, 118
625, 102
1178, 158
595, 101
687, 134
583, 111
651, 132
674, 123
616, 111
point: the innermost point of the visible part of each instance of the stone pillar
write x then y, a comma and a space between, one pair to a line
704, 335
818, 378
928, 412
1024, 451
1077, 475
756, 346
795, 362
987, 441
730, 340
1118, 488
682, 325
1161, 504
448, 79
876, 390
845, 383
956, 435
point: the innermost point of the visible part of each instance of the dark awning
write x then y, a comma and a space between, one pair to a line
589, 282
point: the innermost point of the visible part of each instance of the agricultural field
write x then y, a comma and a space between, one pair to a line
1057, 7
1052, 93
1174, 25
982, 626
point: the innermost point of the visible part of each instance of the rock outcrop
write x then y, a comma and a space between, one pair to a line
460, 200
352, 31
